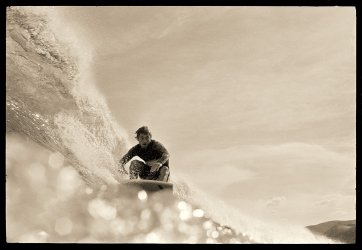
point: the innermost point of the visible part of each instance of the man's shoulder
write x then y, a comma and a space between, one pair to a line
135, 147
158, 145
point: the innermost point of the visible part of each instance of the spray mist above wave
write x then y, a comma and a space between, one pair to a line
50, 100
254, 229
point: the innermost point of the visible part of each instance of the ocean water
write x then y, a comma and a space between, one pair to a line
62, 148
48, 201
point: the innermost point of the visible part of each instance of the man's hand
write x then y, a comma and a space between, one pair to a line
122, 170
155, 166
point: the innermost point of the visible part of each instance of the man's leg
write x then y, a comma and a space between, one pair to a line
164, 174
136, 169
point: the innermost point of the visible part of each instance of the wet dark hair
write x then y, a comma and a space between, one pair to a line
143, 130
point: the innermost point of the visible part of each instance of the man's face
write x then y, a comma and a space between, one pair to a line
144, 140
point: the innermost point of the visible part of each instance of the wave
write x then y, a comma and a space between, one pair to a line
47, 101
51, 99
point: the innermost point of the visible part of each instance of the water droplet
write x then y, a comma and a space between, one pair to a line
152, 238
181, 205
198, 213
68, 182
34, 237
88, 190
210, 240
215, 234
142, 195
185, 215
100, 209
207, 224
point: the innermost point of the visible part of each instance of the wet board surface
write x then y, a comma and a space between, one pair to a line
149, 185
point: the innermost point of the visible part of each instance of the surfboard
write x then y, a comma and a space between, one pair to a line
149, 185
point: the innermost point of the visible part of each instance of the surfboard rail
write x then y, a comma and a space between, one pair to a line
149, 185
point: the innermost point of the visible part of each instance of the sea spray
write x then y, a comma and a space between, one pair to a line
48, 202
51, 99
245, 225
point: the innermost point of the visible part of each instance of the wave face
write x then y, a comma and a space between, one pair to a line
62, 184
47, 99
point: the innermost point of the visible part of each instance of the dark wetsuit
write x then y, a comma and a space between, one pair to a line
154, 151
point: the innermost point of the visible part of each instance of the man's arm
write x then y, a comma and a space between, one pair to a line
157, 163
126, 158
165, 156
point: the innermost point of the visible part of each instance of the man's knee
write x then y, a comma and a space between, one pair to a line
164, 173
135, 169
136, 164
164, 170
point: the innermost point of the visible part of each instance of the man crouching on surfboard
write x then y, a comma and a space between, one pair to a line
152, 152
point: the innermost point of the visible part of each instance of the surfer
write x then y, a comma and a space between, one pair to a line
154, 154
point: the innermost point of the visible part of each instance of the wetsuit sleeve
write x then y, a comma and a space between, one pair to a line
163, 151
128, 156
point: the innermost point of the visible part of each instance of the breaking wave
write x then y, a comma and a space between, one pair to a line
62, 183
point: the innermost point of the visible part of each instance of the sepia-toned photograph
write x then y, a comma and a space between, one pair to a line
181, 124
